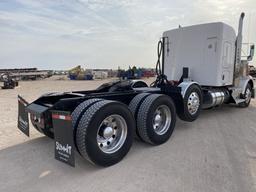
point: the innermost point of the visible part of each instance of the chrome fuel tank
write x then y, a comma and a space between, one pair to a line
215, 97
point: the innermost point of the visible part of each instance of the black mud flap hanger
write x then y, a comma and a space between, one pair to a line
23, 122
63, 131
63, 136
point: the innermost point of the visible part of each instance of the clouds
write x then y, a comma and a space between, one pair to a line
101, 33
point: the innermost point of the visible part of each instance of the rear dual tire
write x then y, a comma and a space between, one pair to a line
155, 116
104, 132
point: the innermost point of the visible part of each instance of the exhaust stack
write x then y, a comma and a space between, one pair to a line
238, 63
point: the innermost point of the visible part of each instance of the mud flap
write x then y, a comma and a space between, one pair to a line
63, 135
23, 122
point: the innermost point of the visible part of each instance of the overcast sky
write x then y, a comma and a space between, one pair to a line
60, 34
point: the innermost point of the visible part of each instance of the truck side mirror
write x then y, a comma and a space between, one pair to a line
250, 57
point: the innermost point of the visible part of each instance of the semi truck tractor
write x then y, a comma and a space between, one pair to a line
198, 67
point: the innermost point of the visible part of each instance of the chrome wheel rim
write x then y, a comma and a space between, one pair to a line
112, 133
193, 103
162, 119
248, 95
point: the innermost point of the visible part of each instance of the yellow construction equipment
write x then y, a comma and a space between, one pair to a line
78, 73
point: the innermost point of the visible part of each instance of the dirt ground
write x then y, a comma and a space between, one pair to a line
216, 153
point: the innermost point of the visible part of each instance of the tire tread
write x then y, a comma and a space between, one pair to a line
82, 127
142, 114
136, 102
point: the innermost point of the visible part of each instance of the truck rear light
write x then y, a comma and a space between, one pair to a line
63, 117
